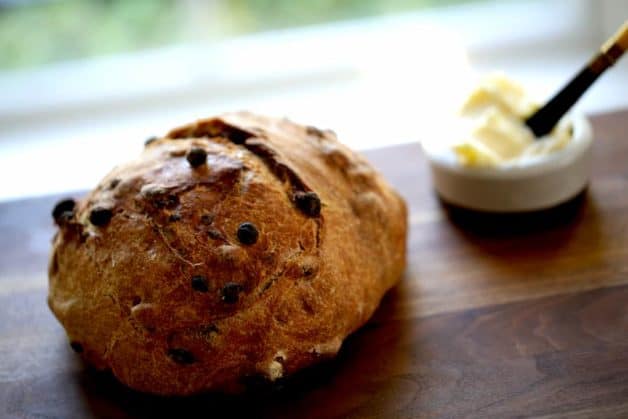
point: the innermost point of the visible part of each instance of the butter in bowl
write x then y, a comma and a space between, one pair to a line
505, 154
489, 160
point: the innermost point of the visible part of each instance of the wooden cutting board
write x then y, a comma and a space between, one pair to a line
495, 317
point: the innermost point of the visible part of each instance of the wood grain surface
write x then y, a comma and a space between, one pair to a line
510, 316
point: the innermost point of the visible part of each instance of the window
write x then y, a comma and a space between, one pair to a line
56, 30
79, 77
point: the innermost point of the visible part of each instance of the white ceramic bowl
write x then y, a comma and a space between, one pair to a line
541, 183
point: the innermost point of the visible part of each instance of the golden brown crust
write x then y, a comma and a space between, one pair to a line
153, 277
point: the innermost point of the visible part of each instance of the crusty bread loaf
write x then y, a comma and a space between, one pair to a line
234, 247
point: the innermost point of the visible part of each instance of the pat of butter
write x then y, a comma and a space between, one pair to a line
494, 132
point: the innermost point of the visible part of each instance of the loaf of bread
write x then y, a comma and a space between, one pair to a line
236, 247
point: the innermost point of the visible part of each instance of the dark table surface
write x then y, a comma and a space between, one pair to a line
524, 315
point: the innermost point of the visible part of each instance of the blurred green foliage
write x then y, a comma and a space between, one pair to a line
33, 33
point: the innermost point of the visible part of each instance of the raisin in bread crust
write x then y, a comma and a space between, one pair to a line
256, 254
